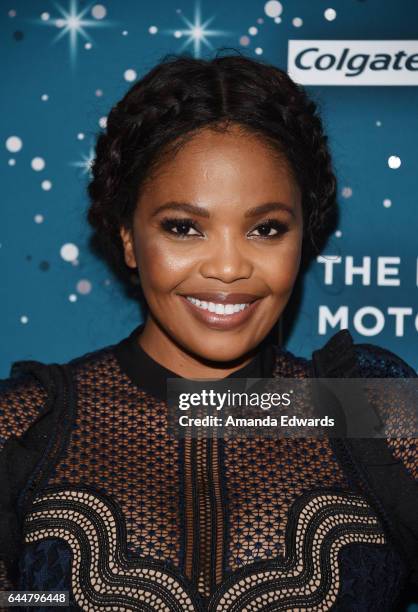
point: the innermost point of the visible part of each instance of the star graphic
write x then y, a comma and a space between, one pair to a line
197, 33
74, 24
85, 163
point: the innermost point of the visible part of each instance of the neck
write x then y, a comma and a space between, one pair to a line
171, 355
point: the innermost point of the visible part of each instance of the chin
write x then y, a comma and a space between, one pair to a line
219, 350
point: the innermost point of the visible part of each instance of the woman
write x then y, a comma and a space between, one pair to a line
213, 181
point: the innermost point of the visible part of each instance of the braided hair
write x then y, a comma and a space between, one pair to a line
182, 95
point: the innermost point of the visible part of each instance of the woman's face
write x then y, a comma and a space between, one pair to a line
197, 230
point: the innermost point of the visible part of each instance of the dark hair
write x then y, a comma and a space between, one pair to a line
181, 95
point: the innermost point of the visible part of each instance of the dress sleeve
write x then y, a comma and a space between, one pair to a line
22, 399
377, 362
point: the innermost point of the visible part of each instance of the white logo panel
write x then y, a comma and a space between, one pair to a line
353, 62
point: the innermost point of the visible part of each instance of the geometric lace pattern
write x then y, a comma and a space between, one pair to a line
239, 525
103, 577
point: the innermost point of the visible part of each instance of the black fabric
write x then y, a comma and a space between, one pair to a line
148, 374
151, 376
22, 458
391, 490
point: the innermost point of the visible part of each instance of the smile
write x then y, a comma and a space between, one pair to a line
220, 316
224, 309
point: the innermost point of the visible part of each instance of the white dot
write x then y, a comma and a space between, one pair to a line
258, 50
60, 23
273, 8
12, 13
38, 164
88, 45
24, 319
394, 162
38, 218
107, 282
330, 14
129, 75
99, 11
72, 297
99, 93
244, 41
277, 20
378, 123
84, 286
153, 29
347, 192
297, 22
44, 97
45, 16
14, 144
338, 233
177, 34
253, 30
80, 136
12, 162
69, 251
125, 33
46, 185
103, 122
387, 203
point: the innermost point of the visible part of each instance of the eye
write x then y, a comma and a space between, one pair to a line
272, 224
182, 227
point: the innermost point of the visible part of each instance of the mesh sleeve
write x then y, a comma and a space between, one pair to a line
21, 401
5, 582
377, 362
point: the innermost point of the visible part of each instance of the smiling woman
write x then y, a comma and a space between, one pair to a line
212, 185
223, 248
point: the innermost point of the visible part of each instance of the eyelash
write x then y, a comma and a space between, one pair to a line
168, 223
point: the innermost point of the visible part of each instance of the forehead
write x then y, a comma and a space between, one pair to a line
222, 167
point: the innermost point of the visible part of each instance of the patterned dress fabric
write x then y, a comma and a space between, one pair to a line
131, 517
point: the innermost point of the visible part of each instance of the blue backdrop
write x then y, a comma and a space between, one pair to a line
66, 63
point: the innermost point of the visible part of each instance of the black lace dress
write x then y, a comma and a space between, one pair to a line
125, 516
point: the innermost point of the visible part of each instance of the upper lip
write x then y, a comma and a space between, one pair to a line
224, 298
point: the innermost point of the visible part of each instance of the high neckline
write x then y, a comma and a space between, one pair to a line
149, 375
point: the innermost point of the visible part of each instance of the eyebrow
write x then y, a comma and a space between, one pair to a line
203, 212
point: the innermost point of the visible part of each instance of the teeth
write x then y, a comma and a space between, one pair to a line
224, 309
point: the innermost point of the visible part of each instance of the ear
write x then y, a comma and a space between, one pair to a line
128, 247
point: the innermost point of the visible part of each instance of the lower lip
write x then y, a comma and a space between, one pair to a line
219, 321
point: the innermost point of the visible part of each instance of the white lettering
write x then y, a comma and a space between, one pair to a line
383, 271
363, 270
374, 312
400, 314
329, 267
326, 317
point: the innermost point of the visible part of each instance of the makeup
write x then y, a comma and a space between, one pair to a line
218, 315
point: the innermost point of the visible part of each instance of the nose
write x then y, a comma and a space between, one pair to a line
226, 260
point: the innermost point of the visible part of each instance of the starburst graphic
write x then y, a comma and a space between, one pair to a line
72, 23
86, 163
197, 32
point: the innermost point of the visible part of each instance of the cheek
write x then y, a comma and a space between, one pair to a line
159, 266
282, 267
162, 265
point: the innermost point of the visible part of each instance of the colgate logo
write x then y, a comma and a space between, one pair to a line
353, 62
